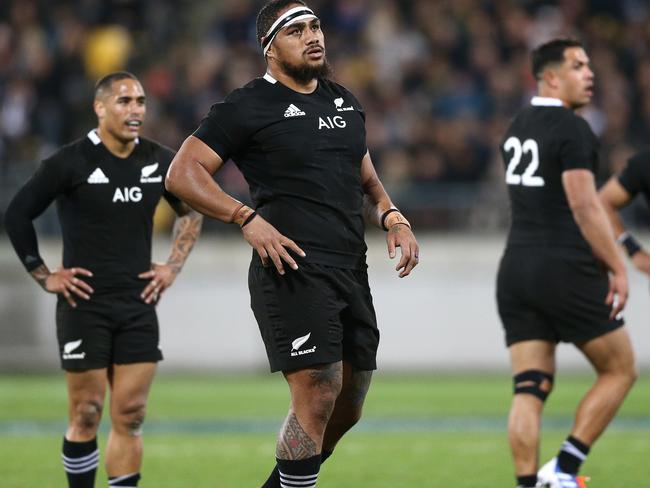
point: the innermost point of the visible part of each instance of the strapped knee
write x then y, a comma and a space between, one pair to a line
533, 382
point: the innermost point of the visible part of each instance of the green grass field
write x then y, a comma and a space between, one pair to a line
417, 431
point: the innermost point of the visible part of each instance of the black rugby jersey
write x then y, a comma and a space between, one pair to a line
544, 140
301, 156
105, 205
635, 178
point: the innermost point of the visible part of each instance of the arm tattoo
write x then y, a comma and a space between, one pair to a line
40, 274
186, 231
294, 442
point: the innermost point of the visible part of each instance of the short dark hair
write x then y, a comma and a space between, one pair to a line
551, 52
269, 14
105, 82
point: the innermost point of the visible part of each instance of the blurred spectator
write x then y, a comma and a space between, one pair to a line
439, 80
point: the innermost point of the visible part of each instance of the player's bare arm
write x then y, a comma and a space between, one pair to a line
63, 281
379, 210
614, 196
580, 188
187, 228
190, 178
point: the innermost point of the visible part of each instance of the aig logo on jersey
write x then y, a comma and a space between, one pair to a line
126, 194
336, 122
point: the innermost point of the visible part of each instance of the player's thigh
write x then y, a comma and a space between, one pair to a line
84, 334
86, 388
532, 355
298, 315
137, 336
611, 352
130, 386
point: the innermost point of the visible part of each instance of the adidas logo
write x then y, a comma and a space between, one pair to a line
147, 171
293, 111
97, 177
298, 343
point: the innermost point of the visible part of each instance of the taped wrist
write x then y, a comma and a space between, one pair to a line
630, 244
392, 217
243, 215
534, 382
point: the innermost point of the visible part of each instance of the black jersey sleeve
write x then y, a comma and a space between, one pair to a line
633, 178
166, 155
224, 129
578, 144
49, 180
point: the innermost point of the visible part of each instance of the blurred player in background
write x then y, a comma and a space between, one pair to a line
300, 141
106, 186
620, 191
561, 277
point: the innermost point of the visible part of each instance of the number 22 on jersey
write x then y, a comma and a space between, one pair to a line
528, 178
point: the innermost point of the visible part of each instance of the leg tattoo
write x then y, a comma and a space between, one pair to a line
294, 442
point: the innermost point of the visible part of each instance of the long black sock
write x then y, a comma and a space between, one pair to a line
274, 479
301, 473
528, 481
80, 460
571, 456
126, 481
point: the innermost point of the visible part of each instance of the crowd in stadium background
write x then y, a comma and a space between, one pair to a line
439, 80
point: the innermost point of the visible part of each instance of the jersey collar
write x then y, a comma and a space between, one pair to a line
546, 102
270, 79
94, 138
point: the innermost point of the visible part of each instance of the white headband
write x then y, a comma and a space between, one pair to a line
290, 17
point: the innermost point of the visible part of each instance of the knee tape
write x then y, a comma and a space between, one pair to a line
534, 382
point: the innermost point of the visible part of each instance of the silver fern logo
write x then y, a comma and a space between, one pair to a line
68, 347
295, 345
298, 343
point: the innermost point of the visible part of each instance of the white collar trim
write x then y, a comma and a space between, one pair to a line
94, 138
546, 102
92, 135
270, 79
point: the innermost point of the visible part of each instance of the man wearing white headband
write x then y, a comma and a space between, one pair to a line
300, 141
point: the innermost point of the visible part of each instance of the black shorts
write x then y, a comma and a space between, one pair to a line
315, 315
553, 294
110, 328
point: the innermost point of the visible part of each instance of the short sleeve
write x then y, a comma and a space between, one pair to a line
578, 144
223, 129
633, 177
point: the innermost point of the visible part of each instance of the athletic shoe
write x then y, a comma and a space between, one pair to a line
550, 476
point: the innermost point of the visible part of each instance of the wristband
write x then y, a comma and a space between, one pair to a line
249, 218
382, 219
630, 244
242, 215
394, 218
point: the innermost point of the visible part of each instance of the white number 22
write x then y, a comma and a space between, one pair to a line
528, 178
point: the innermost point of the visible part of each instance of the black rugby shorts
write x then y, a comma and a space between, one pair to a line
555, 294
315, 315
110, 328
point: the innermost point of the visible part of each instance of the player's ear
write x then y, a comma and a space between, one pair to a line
550, 77
100, 109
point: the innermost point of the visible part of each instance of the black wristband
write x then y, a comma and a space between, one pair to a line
249, 218
382, 221
630, 244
